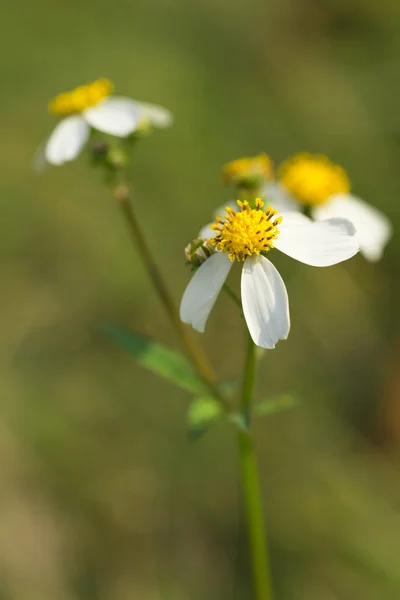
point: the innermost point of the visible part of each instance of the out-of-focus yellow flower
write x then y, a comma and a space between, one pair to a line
90, 107
313, 181
80, 98
248, 172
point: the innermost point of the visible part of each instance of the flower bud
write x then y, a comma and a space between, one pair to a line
249, 172
198, 251
117, 158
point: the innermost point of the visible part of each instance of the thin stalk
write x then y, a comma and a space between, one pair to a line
249, 379
251, 487
232, 295
194, 350
255, 518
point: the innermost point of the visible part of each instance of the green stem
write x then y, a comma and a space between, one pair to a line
251, 487
254, 517
194, 350
249, 379
232, 295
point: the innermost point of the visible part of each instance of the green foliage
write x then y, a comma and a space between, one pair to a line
157, 358
202, 413
269, 406
239, 420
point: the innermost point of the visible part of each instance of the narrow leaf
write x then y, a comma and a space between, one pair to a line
157, 358
275, 404
201, 414
239, 420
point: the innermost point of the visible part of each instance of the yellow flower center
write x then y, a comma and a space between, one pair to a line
313, 179
246, 232
81, 97
248, 170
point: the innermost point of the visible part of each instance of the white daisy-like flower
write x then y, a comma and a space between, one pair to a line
154, 115
246, 236
315, 182
90, 107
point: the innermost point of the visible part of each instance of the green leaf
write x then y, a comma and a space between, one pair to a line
275, 404
228, 387
239, 420
201, 414
157, 358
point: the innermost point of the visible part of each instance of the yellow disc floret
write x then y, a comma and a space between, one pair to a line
251, 171
246, 232
313, 179
81, 97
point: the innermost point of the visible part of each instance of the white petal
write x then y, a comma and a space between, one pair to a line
67, 140
206, 232
39, 158
373, 227
203, 289
158, 116
265, 302
275, 195
117, 116
294, 219
320, 243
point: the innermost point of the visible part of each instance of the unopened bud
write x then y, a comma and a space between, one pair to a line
117, 158
249, 172
100, 147
198, 251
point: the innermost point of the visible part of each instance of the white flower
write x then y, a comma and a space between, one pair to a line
324, 187
246, 236
92, 107
156, 116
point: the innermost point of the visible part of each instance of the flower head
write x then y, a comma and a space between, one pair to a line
314, 181
248, 172
92, 107
246, 237
246, 232
80, 98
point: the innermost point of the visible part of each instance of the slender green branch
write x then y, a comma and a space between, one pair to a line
194, 350
255, 518
232, 295
251, 486
249, 379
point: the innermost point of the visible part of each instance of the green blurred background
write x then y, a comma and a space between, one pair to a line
102, 496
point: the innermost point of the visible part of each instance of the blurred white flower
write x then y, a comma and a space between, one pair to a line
246, 236
90, 107
154, 115
315, 182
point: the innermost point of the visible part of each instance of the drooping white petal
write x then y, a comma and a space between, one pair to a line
275, 195
116, 115
318, 243
265, 302
67, 140
206, 232
39, 158
158, 116
203, 289
374, 229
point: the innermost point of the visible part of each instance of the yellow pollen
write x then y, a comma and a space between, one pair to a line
81, 97
313, 179
259, 167
246, 232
